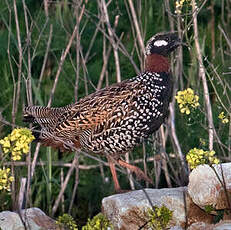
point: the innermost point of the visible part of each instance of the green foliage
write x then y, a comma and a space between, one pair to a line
159, 217
209, 208
67, 222
98, 222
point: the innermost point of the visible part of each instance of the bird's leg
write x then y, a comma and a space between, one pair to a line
139, 173
114, 175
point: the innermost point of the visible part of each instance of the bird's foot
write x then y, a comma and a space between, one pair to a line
139, 173
120, 191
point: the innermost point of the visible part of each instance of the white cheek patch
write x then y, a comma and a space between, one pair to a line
160, 43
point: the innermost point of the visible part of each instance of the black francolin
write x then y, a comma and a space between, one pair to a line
113, 120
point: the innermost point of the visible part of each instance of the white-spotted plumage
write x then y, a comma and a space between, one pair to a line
113, 120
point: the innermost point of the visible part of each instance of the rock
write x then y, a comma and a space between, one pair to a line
222, 225
10, 220
127, 211
206, 190
34, 218
176, 228
200, 226
196, 214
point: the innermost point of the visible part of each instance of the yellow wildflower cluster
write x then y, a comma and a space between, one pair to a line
197, 157
5, 179
186, 100
17, 143
159, 218
98, 222
67, 222
179, 4
224, 119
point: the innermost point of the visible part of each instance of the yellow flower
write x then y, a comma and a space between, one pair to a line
179, 4
5, 179
187, 100
17, 143
223, 118
197, 157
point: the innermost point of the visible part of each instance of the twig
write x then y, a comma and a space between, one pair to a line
121, 47
46, 5
105, 57
21, 195
131, 180
19, 65
163, 158
137, 27
62, 59
105, 62
29, 100
225, 36
77, 48
170, 16
203, 76
56, 204
175, 138
46, 56
112, 40
76, 183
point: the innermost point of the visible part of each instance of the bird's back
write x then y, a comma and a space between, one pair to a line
112, 120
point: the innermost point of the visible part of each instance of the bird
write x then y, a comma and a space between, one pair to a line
115, 119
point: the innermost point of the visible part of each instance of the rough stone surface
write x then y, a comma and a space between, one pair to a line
196, 214
34, 218
205, 188
200, 226
223, 225
127, 211
176, 228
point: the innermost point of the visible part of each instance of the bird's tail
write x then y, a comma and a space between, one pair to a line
37, 114
43, 118
42, 115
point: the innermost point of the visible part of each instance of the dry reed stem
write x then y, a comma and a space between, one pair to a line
77, 49
82, 167
19, 64
22, 192
45, 56
178, 74
63, 57
61, 192
29, 100
202, 75
46, 6
105, 62
60, 66
114, 44
75, 185
137, 27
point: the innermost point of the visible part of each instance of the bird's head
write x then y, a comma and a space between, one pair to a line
162, 44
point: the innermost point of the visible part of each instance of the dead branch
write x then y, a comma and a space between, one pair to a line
202, 75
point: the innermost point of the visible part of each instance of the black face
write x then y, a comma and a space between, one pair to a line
162, 43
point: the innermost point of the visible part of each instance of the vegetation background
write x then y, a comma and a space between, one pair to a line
55, 52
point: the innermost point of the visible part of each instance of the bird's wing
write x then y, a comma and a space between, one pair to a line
103, 105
